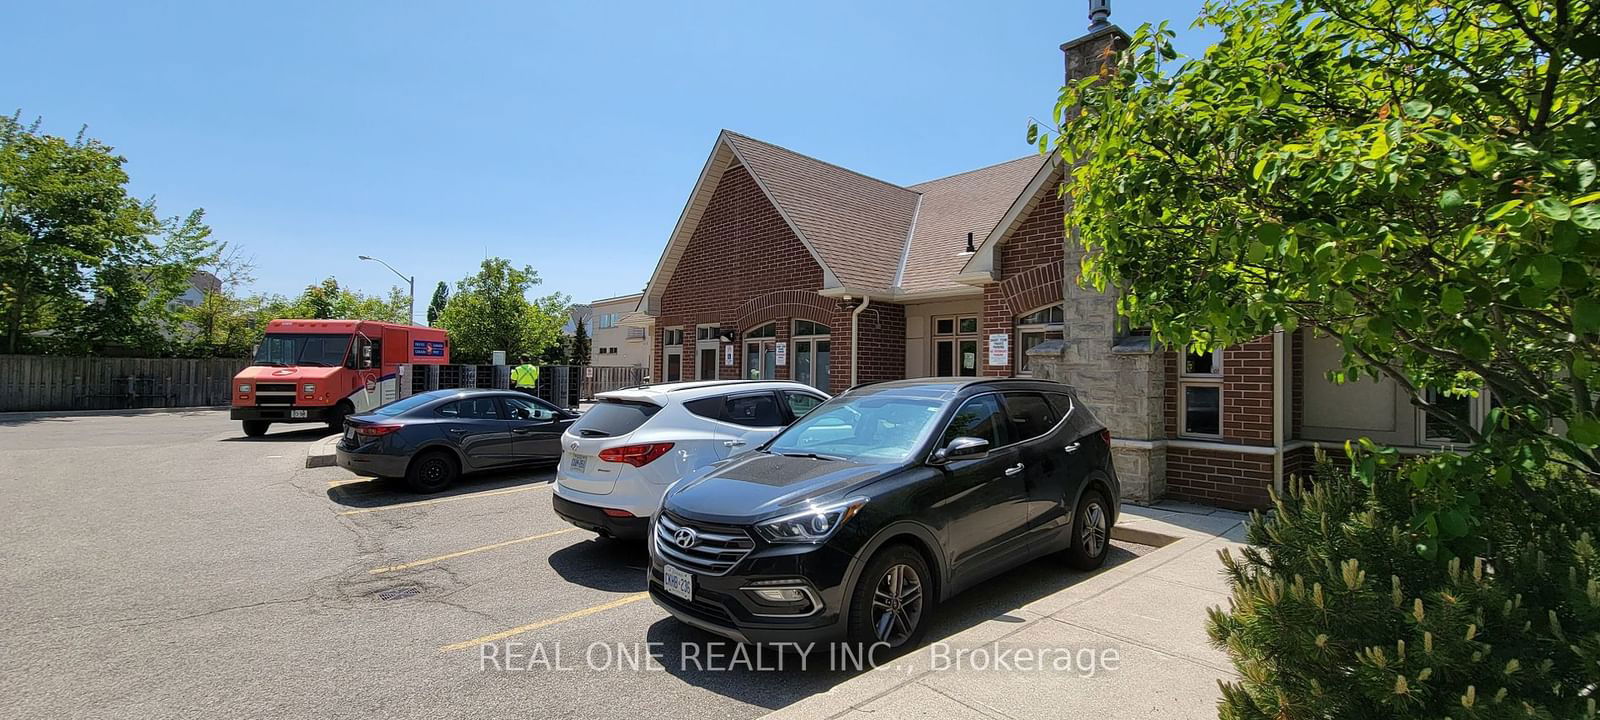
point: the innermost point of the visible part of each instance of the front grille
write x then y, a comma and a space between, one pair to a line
274, 393
716, 549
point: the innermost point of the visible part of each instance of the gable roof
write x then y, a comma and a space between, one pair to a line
868, 235
857, 224
971, 202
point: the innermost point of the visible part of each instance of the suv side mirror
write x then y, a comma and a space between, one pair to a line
962, 448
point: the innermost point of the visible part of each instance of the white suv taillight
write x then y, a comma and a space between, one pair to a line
635, 455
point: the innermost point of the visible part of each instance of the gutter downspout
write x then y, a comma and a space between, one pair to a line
855, 335
1277, 411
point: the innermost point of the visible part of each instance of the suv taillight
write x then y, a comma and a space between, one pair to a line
1105, 437
635, 455
375, 430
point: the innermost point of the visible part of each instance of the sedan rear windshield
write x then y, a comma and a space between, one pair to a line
404, 404
613, 418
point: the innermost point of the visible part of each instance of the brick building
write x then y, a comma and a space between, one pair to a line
788, 267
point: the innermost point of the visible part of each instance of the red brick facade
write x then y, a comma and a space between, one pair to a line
1029, 267
1219, 477
744, 267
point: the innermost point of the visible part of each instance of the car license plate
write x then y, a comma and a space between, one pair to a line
579, 462
297, 414
678, 582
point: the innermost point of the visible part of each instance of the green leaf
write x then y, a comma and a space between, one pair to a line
1587, 217
1261, 166
1342, 171
1256, 252
1271, 92
1586, 315
1452, 524
1450, 199
1546, 271
1417, 109
1497, 211
1451, 301
1584, 430
1033, 133
1482, 158
1380, 146
1586, 173
1553, 208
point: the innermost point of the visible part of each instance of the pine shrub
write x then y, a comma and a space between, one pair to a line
1339, 611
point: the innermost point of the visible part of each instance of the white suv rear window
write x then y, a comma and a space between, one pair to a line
613, 418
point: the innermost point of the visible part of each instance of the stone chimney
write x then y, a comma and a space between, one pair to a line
1120, 377
1088, 54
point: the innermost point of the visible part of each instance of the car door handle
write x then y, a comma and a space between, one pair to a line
458, 431
1071, 448
733, 443
1013, 469
522, 430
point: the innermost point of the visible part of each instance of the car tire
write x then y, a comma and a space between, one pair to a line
870, 605
1091, 532
432, 471
340, 412
255, 428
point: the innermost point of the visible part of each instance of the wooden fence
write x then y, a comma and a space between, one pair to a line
47, 382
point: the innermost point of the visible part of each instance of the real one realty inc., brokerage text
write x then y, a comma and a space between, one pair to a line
514, 656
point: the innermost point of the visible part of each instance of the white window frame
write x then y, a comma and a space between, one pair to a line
668, 349
794, 352
1046, 328
1478, 409
763, 345
701, 344
1187, 380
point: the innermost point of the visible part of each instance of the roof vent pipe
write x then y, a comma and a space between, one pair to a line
1099, 14
970, 248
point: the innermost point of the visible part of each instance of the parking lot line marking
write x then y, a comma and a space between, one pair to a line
436, 501
530, 627
530, 538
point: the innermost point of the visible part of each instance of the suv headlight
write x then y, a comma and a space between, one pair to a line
810, 526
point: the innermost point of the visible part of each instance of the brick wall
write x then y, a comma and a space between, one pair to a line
1030, 266
1226, 479
741, 268
882, 328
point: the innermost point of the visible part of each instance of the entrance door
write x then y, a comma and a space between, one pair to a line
707, 364
955, 346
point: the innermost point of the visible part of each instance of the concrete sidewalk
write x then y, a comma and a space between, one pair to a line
1132, 640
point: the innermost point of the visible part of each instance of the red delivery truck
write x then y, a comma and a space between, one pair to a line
322, 370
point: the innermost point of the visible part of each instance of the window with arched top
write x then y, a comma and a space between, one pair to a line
1034, 327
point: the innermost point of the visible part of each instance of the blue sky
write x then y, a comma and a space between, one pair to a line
562, 135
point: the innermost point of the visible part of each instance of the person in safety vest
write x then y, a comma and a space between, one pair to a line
525, 376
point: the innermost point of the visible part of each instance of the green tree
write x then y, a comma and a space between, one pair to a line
328, 299
64, 213
580, 343
1417, 180
441, 298
490, 311
132, 291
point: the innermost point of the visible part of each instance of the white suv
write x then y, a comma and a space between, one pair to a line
619, 457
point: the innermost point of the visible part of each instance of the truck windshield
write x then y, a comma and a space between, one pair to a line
315, 350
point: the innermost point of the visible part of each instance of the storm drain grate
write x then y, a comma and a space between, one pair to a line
399, 593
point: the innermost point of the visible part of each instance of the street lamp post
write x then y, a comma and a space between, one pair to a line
410, 282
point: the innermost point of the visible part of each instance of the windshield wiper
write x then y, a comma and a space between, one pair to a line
271, 363
812, 455
315, 363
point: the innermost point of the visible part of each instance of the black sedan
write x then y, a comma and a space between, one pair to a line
432, 438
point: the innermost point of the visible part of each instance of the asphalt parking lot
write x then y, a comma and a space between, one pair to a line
162, 565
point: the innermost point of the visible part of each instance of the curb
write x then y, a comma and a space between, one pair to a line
42, 414
1142, 536
322, 452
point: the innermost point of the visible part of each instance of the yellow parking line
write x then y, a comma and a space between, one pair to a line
530, 538
436, 501
530, 627
351, 481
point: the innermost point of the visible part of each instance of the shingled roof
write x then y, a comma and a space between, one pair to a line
869, 235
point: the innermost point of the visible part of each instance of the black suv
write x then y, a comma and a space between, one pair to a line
858, 519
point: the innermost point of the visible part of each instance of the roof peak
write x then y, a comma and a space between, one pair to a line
816, 159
